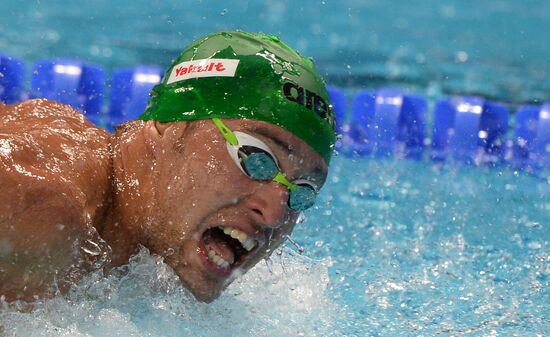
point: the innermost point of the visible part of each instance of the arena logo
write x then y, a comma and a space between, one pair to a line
203, 68
309, 99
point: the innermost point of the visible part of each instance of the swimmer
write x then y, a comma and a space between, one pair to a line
234, 143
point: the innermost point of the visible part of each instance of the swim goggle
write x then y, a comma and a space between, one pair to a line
257, 161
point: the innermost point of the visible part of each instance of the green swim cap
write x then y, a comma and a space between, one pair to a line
233, 74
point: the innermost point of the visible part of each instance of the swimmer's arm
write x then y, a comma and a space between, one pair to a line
51, 183
39, 224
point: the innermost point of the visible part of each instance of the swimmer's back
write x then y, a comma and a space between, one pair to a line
54, 175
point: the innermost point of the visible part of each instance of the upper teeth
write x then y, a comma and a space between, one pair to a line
246, 242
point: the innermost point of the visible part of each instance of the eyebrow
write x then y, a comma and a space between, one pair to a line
287, 147
316, 173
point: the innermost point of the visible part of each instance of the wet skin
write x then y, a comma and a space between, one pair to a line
54, 181
161, 185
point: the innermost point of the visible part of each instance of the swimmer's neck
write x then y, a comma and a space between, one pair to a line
136, 147
131, 169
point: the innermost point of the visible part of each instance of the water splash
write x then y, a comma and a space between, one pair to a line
145, 298
446, 251
279, 65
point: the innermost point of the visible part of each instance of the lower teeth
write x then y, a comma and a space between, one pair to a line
218, 260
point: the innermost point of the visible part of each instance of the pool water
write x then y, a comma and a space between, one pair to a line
395, 248
430, 250
497, 49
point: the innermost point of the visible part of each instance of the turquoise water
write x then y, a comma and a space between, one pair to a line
428, 250
395, 247
498, 49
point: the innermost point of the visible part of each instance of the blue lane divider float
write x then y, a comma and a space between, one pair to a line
12, 76
384, 129
70, 82
542, 140
130, 92
525, 130
338, 99
469, 129
412, 125
355, 140
532, 136
386, 122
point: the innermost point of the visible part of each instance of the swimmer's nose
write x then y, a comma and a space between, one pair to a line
268, 204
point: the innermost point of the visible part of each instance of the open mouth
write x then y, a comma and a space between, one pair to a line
227, 247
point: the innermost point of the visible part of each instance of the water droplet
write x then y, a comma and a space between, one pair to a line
461, 56
534, 245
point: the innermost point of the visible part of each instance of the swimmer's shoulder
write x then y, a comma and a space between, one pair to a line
55, 169
39, 111
52, 129
51, 152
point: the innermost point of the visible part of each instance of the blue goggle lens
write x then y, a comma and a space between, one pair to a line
303, 197
257, 163
260, 165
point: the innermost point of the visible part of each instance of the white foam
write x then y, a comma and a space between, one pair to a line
286, 298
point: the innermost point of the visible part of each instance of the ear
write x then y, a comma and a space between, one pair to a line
160, 127
155, 131
163, 135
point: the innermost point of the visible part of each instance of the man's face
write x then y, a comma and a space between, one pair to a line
211, 221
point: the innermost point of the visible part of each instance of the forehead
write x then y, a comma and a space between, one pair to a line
286, 145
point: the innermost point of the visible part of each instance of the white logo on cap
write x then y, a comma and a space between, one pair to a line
203, 68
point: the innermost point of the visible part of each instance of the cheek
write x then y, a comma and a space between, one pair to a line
216, 178
202, 182
212, 178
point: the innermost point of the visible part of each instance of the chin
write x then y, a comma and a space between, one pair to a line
202, 287
203, 292
206, 297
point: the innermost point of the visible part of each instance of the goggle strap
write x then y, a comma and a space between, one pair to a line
226, 133
281, 179
231, 138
